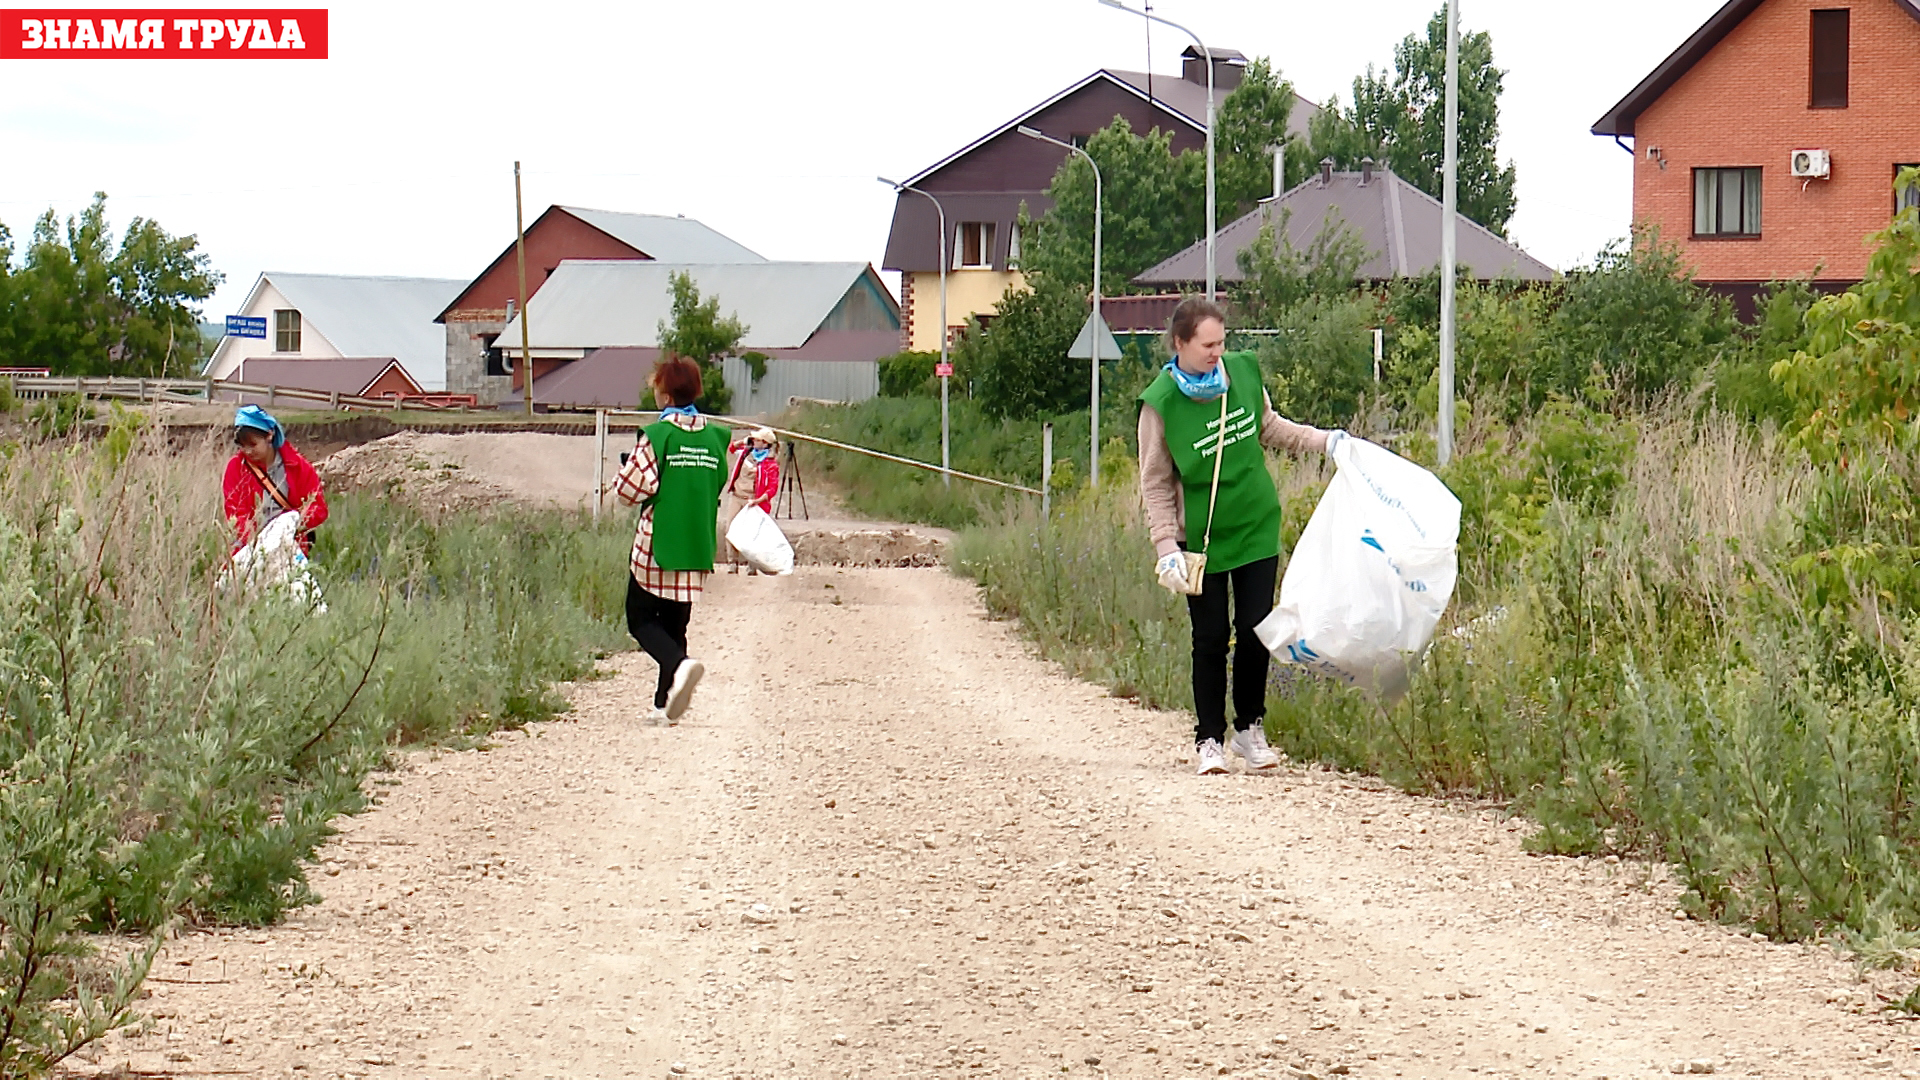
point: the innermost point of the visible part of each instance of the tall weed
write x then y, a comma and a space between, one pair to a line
170, 748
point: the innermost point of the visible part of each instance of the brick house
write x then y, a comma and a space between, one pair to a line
476, 317
1767, 144
983, 184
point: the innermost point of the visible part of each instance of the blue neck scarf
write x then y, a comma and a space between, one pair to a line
679, 410
1199, 387
759, 454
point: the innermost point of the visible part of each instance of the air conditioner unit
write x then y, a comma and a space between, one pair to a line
1811, 164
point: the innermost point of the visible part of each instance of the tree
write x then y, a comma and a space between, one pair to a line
81, 307
1252, 123
1152, 208
696, 330
1279, 276
1017, 362
1401, 122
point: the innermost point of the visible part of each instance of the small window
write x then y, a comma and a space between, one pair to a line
1828, 86
1726, 202
286, 330
1079, 139
973, 249
1907, 196
1013, 247
496, 357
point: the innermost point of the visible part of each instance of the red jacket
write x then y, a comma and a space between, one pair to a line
243, 491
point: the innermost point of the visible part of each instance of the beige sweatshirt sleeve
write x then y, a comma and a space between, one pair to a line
1160, 485
1279, 433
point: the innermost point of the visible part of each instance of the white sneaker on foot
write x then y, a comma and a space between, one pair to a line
1251, 745
1213, 759
685, 678
657, 716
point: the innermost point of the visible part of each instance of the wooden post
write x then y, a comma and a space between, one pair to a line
599, 460
272, 392
333, 401
1046, 469
210, 398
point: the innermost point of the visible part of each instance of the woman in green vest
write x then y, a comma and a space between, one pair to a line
674, 474
1182, 420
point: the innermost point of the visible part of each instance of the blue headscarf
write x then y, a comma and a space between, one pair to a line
253, 416
1199, 387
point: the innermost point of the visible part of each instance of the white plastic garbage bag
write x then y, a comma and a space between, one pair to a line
759, 541
274, 558
1371, 575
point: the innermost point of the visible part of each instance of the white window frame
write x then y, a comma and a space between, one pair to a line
985, 236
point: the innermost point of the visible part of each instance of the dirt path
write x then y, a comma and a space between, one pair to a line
888, 843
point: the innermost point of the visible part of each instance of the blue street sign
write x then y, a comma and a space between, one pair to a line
247, 326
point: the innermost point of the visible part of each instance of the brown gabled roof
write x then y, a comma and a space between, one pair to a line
1397, 224
346, 374
1619, 120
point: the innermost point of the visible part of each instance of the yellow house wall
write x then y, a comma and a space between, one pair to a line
969, 293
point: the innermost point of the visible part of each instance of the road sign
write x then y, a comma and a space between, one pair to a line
248, 326
943, 370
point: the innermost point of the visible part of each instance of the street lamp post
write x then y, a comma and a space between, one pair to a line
1208, 54
945, 370
1449, 183
1093, 468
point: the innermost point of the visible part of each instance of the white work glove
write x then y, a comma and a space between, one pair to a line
1171, 569
1333, 440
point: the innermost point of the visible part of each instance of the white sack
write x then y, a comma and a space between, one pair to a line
1371, 575
272, 559
760, 542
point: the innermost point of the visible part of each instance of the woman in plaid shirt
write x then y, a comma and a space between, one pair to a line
674, 475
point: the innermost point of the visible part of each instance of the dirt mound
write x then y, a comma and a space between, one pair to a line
473, 470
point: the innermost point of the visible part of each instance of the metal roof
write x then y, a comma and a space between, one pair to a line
1618, 120
376, 316
1398, 224
1183, 100
597, 303
348, 374
668, 239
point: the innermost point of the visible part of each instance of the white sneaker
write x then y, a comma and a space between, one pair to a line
658, 716
1251, 745
685, 678
1213, 759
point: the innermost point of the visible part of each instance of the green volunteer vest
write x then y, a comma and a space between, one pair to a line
692, 471
1247, 515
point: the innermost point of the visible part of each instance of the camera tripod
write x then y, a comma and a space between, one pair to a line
790, 484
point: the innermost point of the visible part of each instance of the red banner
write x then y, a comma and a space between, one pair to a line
163, 33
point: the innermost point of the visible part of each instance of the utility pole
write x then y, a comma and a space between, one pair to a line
520, 247
1450, 183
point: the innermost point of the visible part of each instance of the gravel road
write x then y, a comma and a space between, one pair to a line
887, 842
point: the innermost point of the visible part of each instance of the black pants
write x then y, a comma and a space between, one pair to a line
1252, 588
660, 626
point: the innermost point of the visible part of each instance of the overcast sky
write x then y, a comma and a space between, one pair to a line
767, 121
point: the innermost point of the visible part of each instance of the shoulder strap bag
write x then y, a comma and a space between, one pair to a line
1197, 560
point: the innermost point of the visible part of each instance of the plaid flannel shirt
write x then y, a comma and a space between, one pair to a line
639, 479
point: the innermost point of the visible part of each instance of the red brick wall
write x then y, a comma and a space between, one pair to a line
556, 235
1745, 104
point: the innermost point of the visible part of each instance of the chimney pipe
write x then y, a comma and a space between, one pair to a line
1366, 171
1326, 171
1279, 171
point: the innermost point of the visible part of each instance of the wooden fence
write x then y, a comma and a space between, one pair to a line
211, 391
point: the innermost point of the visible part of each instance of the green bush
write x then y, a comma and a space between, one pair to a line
1017, 363
906, 374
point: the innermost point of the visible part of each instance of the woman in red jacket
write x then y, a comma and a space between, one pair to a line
755, 481
267, 477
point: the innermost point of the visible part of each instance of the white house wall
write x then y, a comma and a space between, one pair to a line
232, 352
